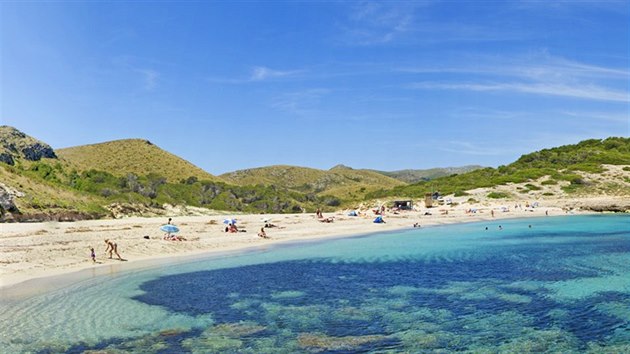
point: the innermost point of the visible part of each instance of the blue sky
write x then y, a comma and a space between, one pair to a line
382, 85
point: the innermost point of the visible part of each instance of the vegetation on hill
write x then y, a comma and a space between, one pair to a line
90, 181
414, 176
341, 181
566, 163
136, 156
48, 185
87, 180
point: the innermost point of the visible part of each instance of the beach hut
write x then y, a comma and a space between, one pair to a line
428, 200
403, 204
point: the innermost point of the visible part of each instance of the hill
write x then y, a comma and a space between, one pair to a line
136, 156
414, 176
84, 182
591, 167
339, 181
125, 177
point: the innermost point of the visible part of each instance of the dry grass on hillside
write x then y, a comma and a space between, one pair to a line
131, 156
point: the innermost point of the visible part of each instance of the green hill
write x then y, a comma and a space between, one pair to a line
339, 181
136, 156
569, 164
93, 180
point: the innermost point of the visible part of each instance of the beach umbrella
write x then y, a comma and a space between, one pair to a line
229, 221
168, 228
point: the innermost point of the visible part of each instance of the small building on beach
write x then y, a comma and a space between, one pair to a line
403, 204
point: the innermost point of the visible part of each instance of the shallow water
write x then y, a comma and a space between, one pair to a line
561, 285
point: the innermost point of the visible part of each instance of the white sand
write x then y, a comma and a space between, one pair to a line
34, 250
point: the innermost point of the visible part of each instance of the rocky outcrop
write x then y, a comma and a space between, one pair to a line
7, 158
596, 204
7, 195
15, 144
37, 151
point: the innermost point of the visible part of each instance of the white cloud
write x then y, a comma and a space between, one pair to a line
377, 23
301, 103
468, 148
150, 78
546, 67
258, 74
615, 117
591, 92
551, 76
261, 73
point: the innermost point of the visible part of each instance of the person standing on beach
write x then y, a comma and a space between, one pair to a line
92, 254
112, 247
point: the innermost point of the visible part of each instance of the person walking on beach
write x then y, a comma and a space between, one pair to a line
112, 247
92, 254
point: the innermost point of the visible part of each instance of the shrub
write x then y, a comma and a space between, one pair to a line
549, 182
577, 180
189, 180
587, 167
106, 192
332, 201
498, 195
532, 187
547, 194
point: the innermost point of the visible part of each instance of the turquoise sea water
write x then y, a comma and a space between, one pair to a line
561, 285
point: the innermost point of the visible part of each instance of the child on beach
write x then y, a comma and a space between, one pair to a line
92, 254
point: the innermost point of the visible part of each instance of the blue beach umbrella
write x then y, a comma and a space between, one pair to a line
171, 229
229, 221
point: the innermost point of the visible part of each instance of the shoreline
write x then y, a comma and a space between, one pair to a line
34, 252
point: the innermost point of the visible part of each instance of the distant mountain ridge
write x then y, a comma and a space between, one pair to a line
413, 176
339, 180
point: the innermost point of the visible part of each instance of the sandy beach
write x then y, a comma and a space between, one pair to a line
35, 250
